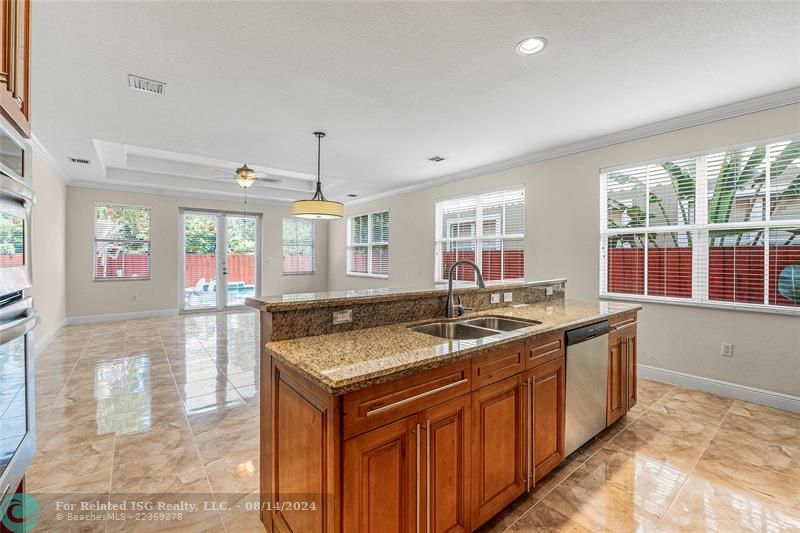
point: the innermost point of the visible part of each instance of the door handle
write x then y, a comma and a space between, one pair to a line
532, 447
418, 513
427, 476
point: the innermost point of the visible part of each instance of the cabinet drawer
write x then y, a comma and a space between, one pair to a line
622, 320
496, 364
375, 406
544, 349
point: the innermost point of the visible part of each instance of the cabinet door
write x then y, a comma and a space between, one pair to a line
549, 416
381, 471
498, 451
631, 364
617, 378
446, 460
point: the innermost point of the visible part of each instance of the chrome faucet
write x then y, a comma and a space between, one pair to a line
453, 310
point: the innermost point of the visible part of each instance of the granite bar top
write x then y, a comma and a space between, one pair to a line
347, 361
312, 300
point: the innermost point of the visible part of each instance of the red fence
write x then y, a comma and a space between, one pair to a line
241, 267
735, 273
10, 260
493, 263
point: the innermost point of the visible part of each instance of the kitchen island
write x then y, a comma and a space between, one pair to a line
370, 425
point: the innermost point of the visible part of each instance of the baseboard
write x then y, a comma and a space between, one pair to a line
779, 400
42, 344
87, 319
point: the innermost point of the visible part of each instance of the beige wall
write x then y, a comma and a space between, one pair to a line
48, 249
562, 240
86, 297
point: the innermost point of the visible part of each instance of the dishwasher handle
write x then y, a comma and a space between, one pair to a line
574, 336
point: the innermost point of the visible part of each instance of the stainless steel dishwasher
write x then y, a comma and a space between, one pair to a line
587, 383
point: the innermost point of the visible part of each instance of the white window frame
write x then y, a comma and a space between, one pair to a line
294, 243
369, 244
132, 241
700, 236
441, 241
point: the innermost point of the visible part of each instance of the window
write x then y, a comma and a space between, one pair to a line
121, 242
298, 246
489, 229
368, 245
721, 228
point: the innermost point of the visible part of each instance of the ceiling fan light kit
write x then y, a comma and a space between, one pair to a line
318, 207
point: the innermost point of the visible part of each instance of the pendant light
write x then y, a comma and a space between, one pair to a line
318, 207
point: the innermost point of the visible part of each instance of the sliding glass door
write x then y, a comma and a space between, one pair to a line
220, 259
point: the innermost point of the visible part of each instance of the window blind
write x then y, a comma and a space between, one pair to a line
122, 242
488, 229
719, 228
368, 244
298, 246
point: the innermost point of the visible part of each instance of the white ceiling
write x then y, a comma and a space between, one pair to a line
391, 82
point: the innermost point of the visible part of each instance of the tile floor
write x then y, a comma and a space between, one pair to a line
166, 409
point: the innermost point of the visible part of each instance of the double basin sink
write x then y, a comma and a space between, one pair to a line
474, 328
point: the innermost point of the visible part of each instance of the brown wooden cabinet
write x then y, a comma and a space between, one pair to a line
617, 379
420, 468
622, 375
15, 63
499, 429
548, 406
441, 450
445, 502
381, 470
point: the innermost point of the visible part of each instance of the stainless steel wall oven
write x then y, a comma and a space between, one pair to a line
18, 317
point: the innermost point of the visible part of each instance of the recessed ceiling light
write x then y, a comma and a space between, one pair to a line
531, 45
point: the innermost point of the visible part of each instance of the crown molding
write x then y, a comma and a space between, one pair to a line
176, 192
39, 148
715, 114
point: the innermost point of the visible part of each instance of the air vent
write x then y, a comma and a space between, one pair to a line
79, 161
352, 195
146, 85
436, 158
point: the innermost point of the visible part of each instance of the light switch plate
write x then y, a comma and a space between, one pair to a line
508, 297
342, 317
495, 298
727, 350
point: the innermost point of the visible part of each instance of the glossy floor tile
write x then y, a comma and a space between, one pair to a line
680, 461
158, 411
166, 410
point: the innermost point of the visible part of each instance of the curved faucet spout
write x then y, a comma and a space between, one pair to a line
450, 309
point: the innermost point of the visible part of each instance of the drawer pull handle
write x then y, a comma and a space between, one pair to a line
404, 401
623, 325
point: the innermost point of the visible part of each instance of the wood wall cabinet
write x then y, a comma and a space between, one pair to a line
622, 361
15, 23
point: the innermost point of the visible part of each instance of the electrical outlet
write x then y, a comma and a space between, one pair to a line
495, 298
508, 297
549, 290
727, 350
134, 297
342, 317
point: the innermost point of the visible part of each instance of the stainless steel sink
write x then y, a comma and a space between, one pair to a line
454, 330
500, 323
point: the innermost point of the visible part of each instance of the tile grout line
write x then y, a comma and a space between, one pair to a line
508, 528
691, 470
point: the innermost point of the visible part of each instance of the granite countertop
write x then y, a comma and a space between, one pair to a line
310, 300
352, 360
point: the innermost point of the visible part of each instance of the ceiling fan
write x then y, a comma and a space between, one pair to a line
246, 176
